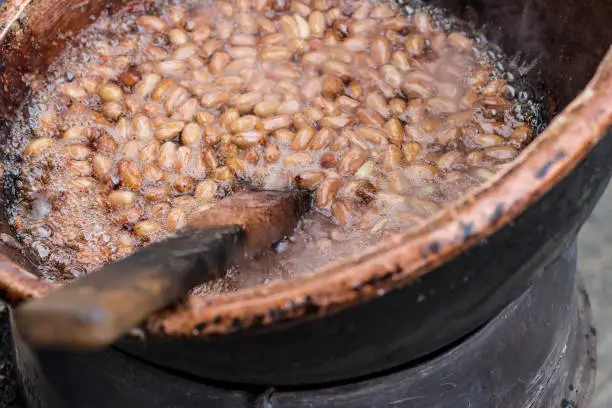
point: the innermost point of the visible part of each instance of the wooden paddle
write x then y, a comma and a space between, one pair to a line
96, 310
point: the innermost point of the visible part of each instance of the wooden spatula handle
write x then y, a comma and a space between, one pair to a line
95, 311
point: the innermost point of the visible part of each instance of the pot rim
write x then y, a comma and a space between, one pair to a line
396, 261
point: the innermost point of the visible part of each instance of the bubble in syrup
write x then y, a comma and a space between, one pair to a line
97, 229
281, 246
523, 96
42, 231
41, 208
480, 39
518, 112
508, 92
41, 250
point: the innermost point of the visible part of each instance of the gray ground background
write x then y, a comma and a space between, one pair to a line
595, 263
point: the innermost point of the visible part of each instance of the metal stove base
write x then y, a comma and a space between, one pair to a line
538, 353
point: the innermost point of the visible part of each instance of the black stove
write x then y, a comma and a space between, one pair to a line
538, 353
9, 394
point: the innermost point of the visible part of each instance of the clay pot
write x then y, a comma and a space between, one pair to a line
405, 297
